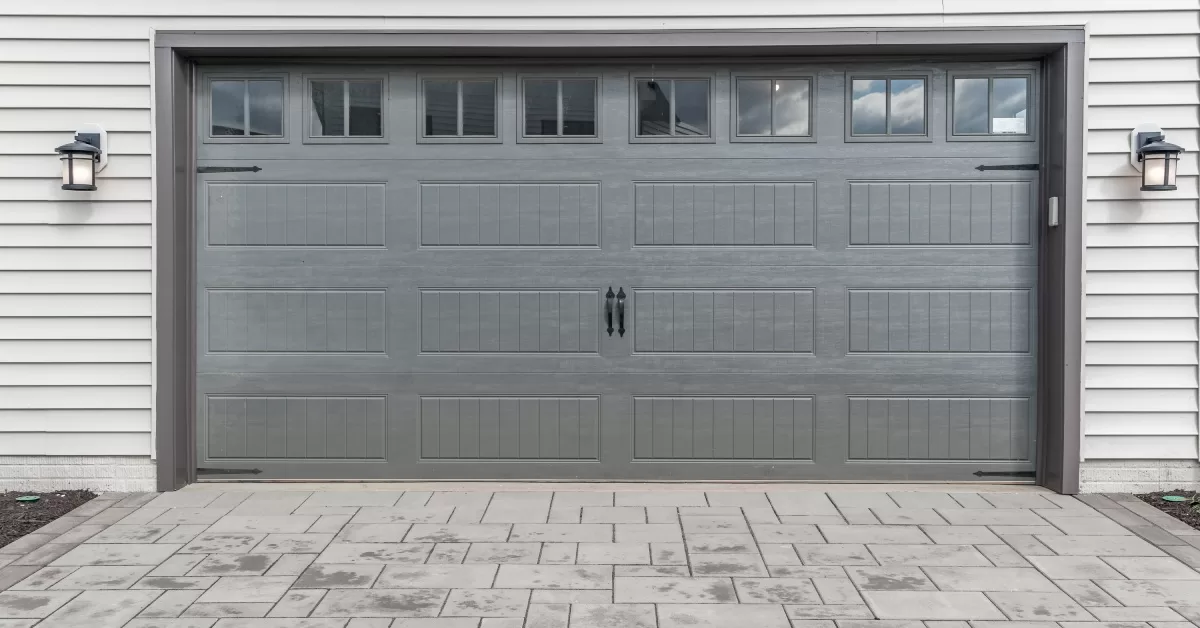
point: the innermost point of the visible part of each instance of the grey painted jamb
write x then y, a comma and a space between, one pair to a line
174, 324
175, 51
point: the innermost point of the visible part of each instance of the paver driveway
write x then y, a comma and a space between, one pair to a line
621, 558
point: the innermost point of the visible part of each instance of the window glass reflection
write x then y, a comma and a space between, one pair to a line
366, 108
970, 105
791, 109
441, 108
1010, 104
868, 115
479, 108
228, 108
579, 107
328, 106
541, 107
654, 107
907, 113
266, 107
691, 107
754, 107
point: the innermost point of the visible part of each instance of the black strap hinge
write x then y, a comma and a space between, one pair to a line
981, 168
209, 471
1004, 474
212, 169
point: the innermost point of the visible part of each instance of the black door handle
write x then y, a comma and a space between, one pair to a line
608, 309
620, 312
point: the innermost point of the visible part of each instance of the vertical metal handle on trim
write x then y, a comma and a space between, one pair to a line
621, 312
608, 309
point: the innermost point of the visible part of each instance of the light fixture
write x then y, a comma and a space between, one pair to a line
83, 158
1155, 157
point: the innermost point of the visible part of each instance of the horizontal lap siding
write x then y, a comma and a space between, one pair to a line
75, 300
1140, 335
75, 280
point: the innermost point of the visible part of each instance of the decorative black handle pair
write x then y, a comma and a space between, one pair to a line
608, 310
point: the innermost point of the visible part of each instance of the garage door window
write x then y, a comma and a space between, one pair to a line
246, 109
559, 110
990, 107
772, 109
672, 110
888, 107
459, 109
345, 109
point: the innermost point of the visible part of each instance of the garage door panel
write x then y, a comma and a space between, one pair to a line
296, 321
941, 213
304, 215
231, 267
510, 214
939, 428
822, 310
510, 428
722, 321
509, 321
699, 214
947, 321
722, 428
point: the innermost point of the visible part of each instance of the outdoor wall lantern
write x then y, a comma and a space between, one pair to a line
1156, 158
83, 158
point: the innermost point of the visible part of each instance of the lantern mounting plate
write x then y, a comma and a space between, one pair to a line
95, 135
1137, 139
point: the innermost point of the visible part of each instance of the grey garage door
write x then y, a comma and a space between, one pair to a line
809, 277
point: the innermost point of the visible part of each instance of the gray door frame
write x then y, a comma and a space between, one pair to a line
1060, 50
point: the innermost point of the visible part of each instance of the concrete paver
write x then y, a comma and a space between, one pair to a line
786, 557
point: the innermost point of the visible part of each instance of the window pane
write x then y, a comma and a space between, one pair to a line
441, 108
691, 108
366, 108
329, 107
970, 105
1010, 98
579, 107
754, 107
541, 107
790, 114
654, 107
228, 108
907, 115
867, 113
479, 107
266, 107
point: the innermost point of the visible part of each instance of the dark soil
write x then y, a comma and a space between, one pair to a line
1180, 510
20, 518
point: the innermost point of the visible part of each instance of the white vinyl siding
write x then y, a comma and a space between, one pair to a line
75, 279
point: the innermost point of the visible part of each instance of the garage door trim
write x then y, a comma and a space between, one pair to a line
1061, 50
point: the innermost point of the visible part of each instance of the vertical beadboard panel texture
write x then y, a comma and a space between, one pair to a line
510, 214
296, 321
920, 213
722, 428
723, 321
299, 427
510, 428
939, 321
509, 321
295, 215
724, 214
940, 428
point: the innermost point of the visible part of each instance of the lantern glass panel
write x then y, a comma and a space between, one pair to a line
1154, 169
78, 170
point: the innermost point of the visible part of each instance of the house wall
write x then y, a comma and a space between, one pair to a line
75, 277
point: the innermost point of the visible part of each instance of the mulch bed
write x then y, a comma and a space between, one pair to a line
1179, 510
20, 518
